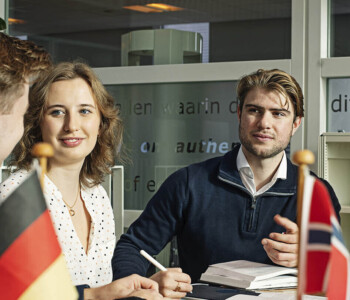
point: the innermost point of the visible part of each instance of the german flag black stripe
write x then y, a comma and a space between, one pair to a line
20, 210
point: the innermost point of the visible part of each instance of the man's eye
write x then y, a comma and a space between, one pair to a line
279, 114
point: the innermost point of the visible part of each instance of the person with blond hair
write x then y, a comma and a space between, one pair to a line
241, 206
70, 109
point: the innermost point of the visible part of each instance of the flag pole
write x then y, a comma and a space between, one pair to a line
42, 151
302, 158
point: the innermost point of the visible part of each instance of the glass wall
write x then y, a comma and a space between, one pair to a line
171, 125
338, 89
338, 107
237, 30
339, 28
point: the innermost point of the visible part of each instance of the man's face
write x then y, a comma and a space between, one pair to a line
11, 125
266, 123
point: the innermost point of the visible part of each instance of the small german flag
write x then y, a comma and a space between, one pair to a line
32, 266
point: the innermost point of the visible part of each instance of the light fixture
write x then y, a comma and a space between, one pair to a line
164, 7
143, 9
15, 21
153, 7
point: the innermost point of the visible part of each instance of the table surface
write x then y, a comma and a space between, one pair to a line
285, 294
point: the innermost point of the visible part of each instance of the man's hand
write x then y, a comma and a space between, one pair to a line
282, 248
173, 283
133, 285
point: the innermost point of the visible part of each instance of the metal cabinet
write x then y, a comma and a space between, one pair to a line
334, 166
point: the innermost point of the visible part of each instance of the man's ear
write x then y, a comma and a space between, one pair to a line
296, 124
239, 113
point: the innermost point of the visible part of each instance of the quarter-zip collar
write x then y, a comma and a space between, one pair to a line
247, 174
228, 172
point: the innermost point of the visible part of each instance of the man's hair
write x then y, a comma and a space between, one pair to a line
19, 61
273, 81
109, 140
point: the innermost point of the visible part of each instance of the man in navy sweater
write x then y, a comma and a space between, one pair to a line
239, 206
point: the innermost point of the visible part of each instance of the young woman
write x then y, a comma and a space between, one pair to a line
71, 110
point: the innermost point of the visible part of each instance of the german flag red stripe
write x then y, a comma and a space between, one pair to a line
28, 256
31, 261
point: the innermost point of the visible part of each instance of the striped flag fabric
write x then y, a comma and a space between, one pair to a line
32, 265
324, 259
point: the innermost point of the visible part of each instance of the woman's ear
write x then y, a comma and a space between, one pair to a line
100, 129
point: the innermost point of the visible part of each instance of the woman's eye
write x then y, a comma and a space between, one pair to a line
85, 111
56, 112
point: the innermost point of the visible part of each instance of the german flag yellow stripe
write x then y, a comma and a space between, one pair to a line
54, 284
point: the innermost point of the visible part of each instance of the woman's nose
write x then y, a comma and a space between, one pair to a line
71, 123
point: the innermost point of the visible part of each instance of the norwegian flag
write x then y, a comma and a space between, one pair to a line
324, 259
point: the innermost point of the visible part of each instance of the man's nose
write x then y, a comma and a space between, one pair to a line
265, 120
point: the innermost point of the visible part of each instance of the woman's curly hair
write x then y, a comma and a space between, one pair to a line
109, 141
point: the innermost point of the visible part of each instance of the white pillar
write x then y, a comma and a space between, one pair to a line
2, 9
298, 52
316, 96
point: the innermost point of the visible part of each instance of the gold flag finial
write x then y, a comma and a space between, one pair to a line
42, 151
304, 157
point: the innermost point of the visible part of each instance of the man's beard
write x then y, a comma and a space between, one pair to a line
268, 153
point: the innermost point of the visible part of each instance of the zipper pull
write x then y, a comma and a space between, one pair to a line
253, 203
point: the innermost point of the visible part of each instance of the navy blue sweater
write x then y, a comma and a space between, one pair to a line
212, 214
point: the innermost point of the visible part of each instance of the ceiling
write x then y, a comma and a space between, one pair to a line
45, 17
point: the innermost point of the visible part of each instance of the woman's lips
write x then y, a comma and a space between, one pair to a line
71, 142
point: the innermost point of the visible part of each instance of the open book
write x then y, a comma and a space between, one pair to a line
250, 275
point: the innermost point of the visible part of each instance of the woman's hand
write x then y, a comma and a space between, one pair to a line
133, 285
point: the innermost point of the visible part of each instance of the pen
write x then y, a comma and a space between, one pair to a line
152, 260
155, 263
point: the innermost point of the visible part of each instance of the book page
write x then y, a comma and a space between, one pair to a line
250, 270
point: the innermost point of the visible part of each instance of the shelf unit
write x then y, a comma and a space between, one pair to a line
334, 166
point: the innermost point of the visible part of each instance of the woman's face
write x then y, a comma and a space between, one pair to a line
71, 121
